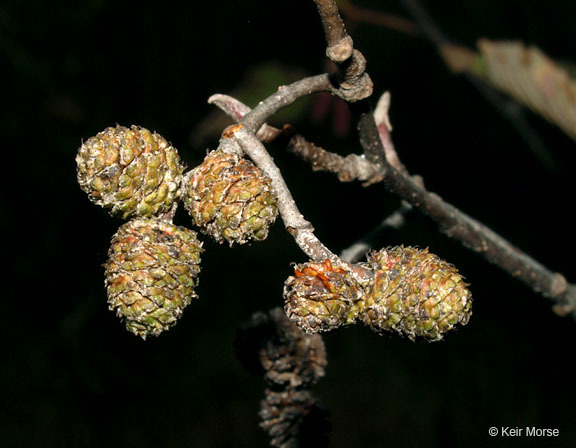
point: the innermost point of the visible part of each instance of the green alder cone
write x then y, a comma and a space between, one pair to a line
322, 297
415, 293
230, 199
131, 171
151, 274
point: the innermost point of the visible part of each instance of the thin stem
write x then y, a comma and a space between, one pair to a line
350, 168
236, 110
285, 96
425, 23
358, 249
374, 17
354, 83
340, 45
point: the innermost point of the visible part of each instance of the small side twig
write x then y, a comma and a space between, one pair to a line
285, 96
384, 127
425, 23
358, 250
355, 13
340, 45
350, 168
354, 82
236, 110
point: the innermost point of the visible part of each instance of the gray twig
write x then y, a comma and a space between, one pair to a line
452, 221
468, 231
358, 250
285, 96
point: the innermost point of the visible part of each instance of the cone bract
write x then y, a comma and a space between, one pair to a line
131, 171
230, 198
151, 274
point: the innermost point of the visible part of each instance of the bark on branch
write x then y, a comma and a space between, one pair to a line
468, 231
379, 151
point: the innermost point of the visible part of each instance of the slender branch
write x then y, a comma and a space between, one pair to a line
395, 220
452, 221
470, 232
428, 27
373, 17
349, 168
384, 131
352, 167
340, 45
236, 110
354, 82
285, 96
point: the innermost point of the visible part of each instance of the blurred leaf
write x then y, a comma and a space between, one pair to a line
533, 79
458, 58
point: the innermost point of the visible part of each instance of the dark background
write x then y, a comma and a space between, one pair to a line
71, 376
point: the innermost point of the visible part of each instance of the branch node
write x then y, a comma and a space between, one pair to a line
355, 84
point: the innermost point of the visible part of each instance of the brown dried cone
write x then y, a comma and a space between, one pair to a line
415, 293
151, 274
322, 296
132, 171
291, 362
230, 198
293, 418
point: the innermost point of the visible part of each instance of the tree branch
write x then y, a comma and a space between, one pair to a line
236, 110
285, 96
358, 250
371, 16
452, 221
340, 45
470, 232
349, 168
354, 82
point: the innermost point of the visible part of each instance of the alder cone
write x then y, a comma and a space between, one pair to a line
415, 293
131, 171
151, 274
321, 296
294, 418
230, 198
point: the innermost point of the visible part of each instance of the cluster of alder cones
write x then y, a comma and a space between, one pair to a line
153, 265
